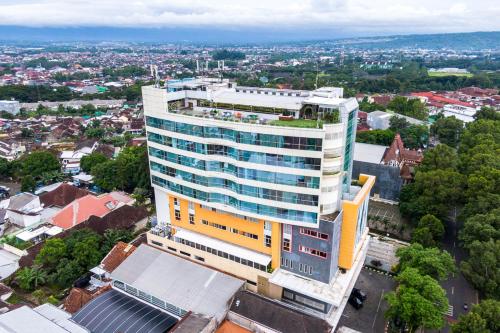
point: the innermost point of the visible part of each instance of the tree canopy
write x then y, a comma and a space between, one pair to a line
483, 318
419, 301
428, 261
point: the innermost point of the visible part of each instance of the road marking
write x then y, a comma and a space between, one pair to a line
452, 290
449, 312
378, 308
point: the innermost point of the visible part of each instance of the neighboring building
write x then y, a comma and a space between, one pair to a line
256, 182
23, 209
403, 158
83, 208
464, 113
379, 120
11, 150
259, 314
368, 159
45, 318
12, 107
174, 284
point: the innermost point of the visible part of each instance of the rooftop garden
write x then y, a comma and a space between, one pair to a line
301, 123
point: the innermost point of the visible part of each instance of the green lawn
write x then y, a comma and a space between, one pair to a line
302, 123
439, 74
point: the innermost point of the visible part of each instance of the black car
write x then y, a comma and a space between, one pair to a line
355, 302
358, 293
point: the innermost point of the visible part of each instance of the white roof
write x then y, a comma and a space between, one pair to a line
83, 177
41, 320
369, 153
30, 234
235, 250
233, 97
72, 154
178, 281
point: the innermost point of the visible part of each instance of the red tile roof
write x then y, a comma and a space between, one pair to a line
62, 195
81, 209
116, 256
432, 97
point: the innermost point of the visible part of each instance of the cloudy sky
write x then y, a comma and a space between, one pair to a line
348, 17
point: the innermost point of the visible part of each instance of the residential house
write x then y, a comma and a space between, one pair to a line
83, 208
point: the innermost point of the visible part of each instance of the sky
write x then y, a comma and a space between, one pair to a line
307, 17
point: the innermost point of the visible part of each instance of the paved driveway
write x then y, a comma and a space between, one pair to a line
370, 318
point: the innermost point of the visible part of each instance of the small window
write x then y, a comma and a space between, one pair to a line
267, 241
185, 253
251, 282
171, 249
199, 258
177, 215
156, 243
176, 202
191, 219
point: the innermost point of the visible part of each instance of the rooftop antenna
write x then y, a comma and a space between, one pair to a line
154, 74
317, 74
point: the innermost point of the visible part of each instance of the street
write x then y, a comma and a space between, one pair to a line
458, 289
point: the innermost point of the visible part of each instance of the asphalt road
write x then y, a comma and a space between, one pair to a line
458, 289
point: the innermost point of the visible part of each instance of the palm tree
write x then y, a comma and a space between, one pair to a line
29, 278
39, 276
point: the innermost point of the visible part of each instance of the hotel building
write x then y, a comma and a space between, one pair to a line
256, 182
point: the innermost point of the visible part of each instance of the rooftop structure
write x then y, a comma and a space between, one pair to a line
45, 318
185, 286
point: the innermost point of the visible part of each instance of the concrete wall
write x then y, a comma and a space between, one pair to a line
388, 183
384, 250
219, 263
323, 269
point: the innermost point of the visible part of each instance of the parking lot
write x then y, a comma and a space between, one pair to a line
370, 318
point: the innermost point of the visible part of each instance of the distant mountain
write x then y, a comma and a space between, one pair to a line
458, 41
215, 36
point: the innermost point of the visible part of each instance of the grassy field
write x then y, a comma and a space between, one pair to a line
438, 74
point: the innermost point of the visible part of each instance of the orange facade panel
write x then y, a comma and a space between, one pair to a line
351, 208
226, 227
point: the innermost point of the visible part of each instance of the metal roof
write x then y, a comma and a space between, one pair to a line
114, 311
369, 153
180, 282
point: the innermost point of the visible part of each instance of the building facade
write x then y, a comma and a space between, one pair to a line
257, 182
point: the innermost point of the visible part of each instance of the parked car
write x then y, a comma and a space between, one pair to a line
358, 293
355, 302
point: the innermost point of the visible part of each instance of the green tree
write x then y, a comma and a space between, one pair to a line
483, 318
440, 157
67, 272
423, 236
94, 132
428, 261
448, 130
87, 162
87, 253
487, 113
481, 227
419, 301
434, 225
53, 250
482, 268
434, 192
28, 184
377, 137
397, 124
39, 162
5, 168
106, 175
30, 278
408, 107
113, 236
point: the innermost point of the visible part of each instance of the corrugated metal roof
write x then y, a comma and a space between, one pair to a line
177, 281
